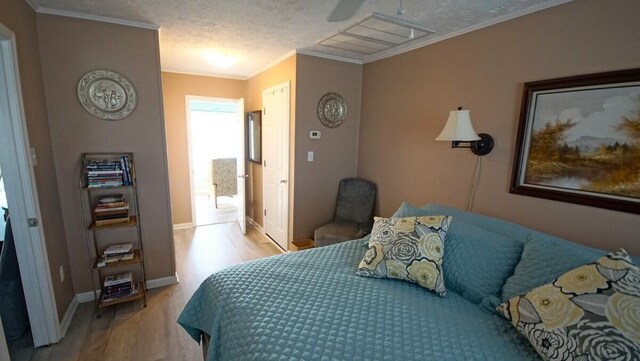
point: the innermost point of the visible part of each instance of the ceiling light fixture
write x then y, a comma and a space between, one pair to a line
412, 34
220, 60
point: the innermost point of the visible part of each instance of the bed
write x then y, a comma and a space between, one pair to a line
310, 305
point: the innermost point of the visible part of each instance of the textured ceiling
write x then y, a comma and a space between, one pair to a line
261, 32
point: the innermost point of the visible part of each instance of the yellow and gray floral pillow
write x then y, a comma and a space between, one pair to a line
589, 313
409, 249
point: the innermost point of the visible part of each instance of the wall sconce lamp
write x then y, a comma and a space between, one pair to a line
460, 132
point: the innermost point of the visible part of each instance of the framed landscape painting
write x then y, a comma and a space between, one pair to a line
579, 140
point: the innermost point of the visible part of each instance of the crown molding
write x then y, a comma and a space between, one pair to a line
273, 63
104, 19
328, 56
408, 47
196, 73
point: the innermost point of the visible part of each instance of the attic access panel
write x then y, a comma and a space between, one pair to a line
375, 33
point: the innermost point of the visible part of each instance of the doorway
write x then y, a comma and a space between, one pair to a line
216, 131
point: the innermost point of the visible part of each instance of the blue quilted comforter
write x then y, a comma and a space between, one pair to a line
310, 306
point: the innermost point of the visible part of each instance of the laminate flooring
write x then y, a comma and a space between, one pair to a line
128, 332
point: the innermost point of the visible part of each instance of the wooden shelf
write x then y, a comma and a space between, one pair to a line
137, 258
90, 196
133, 221
115, 301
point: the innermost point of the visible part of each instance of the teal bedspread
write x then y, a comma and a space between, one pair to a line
310, 306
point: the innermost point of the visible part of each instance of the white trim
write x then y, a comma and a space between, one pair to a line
182, 226
154, 283
329, 56
104, 19
192, 187
23, 199
162, 282
85, 296
211, 75
68, 316
273, 63
412, 46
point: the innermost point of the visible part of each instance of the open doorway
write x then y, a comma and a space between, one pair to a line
217, 159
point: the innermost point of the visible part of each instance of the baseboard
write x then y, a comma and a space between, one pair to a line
155, 283
86, 296
161, 282
182, 226
255, 225
68, 316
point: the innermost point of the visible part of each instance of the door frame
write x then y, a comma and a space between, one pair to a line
22, 197
192, 188
286, 84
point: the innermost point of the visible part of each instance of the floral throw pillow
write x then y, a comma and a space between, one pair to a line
589, 313
409, 249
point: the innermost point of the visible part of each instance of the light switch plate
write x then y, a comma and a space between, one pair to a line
315, 134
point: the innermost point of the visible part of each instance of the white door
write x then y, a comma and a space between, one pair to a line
22, 197
240, 166
275, 145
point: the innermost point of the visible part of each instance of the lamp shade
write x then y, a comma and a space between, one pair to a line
458, 127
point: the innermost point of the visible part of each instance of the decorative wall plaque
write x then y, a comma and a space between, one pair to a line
107, 94
332, 110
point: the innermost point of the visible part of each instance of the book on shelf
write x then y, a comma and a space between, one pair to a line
112, 206
112, 297
118, 279
117, 258
109, 172
118, 289
111, 198
111, 209
110, 212
118, 214
118, 249
106, 222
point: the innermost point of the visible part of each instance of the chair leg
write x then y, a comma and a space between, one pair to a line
215, 195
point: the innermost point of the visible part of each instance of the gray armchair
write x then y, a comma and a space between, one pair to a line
354, 213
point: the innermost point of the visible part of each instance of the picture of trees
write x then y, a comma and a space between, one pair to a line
586, 140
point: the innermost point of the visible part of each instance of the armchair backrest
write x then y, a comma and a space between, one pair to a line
355, 200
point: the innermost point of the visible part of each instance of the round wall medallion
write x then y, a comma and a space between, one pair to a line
107, 94
332, 110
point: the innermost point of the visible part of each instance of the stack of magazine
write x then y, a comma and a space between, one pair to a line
115, 253
118, 286
111, 209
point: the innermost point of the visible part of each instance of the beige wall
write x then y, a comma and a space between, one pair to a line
176, 87
280, 73
69, 48
18, 16
407, 98
335, 154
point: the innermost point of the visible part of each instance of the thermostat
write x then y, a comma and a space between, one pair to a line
315, 134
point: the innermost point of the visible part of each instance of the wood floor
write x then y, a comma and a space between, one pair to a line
128, 332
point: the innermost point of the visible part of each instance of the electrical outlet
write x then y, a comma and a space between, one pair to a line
61, 274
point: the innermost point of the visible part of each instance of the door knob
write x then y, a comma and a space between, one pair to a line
243, 176
283, 181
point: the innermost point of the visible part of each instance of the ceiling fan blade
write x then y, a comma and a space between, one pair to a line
344, 10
